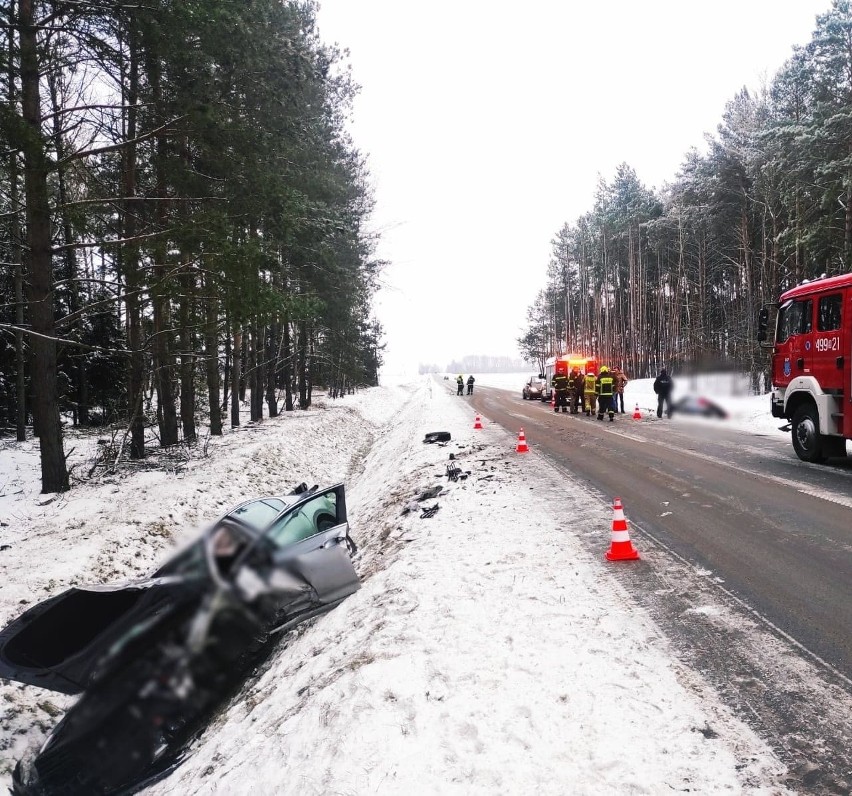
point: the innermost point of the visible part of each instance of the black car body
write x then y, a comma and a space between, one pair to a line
153, 658
533, 389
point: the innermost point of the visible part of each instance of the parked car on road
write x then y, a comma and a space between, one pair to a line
533, 389
153, 658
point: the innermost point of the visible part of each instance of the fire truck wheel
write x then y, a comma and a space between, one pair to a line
807, 441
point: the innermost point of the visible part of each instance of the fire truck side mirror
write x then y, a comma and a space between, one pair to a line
762, 323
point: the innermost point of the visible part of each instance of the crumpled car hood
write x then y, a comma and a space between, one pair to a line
59, 643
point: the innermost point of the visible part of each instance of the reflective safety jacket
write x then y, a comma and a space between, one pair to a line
605, 384
560, 382
575, 382
589, 383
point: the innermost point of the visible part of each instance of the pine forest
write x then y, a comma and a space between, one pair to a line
676, 277
182, 220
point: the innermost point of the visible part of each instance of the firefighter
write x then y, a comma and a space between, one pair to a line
470, 381
560, 384
460, 385
604, 388
575, 387
589, 385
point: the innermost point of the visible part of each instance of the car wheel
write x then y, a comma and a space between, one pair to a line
807, 441
524, 396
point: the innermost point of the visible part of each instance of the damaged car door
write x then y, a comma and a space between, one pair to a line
302, 565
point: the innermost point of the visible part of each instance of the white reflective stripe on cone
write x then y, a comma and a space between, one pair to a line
618, 514
620, 536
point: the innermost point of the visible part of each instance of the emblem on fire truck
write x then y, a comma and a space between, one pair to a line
787, 368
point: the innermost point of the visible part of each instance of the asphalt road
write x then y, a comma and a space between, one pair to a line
719, 514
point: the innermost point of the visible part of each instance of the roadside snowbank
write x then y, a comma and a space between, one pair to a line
487, 651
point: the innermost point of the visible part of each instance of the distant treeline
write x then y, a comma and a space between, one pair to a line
182, 219
479, 364
675, 277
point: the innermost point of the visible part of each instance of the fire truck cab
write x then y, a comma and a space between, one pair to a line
812, 365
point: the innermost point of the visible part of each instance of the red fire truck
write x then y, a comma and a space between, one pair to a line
565, 364
812, 365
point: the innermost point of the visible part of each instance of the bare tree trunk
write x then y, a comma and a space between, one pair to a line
272, 356
235, 376
847, 239
80, 387
211, 362
54, 476
253, 368
301, 359
287, 353
187, 358
164, 366
17, 256
130, 258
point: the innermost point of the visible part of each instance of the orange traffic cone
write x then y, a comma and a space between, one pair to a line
621, 548
477, 423
637, 415
522, 443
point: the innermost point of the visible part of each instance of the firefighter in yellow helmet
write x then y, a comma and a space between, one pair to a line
605, 387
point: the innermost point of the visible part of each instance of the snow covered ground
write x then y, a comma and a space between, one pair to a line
487, 652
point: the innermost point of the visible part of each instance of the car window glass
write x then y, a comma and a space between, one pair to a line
314, 516
828, 313
259, 513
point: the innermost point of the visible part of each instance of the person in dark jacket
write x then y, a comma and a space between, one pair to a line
605, 388
560, 387
620, 383
470, 381
663, 386
460, 385
575, 390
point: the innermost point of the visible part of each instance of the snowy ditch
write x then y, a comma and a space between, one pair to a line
487, 650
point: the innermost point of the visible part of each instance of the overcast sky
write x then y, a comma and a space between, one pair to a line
488, 123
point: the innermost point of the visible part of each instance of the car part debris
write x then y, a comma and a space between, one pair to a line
453, 472
432, 492
437, 436
412, 505
430, 512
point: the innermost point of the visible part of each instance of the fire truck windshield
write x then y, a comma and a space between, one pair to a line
794, 317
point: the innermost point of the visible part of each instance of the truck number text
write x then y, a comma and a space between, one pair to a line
827, 344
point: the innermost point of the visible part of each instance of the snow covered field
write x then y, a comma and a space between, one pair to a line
487, 651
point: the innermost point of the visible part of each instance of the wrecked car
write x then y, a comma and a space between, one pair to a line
153, 658
698, 405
